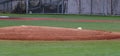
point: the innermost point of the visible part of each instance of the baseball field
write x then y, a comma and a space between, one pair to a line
57, 35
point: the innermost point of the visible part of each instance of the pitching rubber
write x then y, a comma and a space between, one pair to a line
80, 28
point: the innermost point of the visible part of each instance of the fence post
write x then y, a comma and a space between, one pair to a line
91, 6
62, 6
111, 7
27, 6
11, 5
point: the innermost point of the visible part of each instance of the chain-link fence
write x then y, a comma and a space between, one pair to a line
90, 7
46, 6
13, 6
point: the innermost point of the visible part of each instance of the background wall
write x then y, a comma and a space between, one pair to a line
116, 7
73, 7
85, 6
89, 7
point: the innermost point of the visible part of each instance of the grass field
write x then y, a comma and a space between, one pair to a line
64, 16
62, 48
85, 25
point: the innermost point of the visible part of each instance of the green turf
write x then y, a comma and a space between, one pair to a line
65, 16
60, 48
84, 25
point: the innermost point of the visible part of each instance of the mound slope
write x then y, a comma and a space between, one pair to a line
53, 33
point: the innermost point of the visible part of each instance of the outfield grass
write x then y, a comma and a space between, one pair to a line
60, 48
64, 16
84, 25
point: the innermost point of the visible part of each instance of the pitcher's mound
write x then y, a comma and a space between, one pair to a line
53, 33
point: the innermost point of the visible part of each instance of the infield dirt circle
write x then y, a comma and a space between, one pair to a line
53, 33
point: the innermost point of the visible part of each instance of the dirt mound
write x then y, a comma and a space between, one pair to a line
53, 33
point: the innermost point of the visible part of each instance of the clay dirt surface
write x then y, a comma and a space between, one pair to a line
53, 33
59, 19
